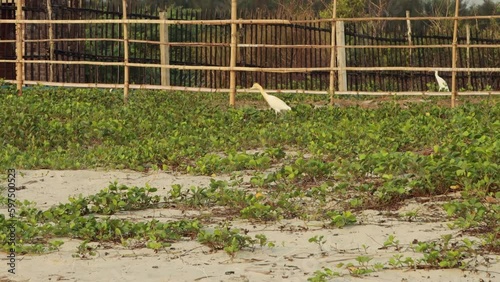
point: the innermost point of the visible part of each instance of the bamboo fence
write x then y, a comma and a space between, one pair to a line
333, 60
336, 68
454, 56
126, 83
19, 48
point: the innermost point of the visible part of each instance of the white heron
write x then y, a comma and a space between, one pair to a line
274, 102
441, 83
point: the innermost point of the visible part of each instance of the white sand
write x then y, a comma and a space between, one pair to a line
293, 258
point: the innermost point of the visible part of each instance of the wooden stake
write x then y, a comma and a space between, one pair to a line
51, 40
410, 43
164, 50
125, 54
19, 47
234, 37
467, 54
341, 57
333, 54
454, 56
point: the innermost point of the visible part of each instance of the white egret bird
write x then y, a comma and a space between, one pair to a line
441, 83
274, 102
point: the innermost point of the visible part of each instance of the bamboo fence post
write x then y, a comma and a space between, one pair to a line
51, 40
454, 56
125, 54
164, 50
467, 54
232, 74
410, 43
333, 54
19, 47
341, 57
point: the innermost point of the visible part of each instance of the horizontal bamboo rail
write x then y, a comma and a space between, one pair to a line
224, 90
369, 19
284, 46
254, 69
149, 21
240, 21
369, 46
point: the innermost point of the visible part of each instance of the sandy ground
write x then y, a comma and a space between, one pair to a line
293, 258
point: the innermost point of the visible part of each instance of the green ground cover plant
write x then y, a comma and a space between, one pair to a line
312, 163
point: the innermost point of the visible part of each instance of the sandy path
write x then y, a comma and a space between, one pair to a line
293, 258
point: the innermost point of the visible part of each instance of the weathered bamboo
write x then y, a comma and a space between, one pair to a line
368, 19
454, 56
126, 74
19, 46
222, 90
152, 21
51, 40
73, 39
204, 44
234, 38
333, 54
410, 43
257, 69
243, 21
467, 54
218, 44
341, 57
164, 50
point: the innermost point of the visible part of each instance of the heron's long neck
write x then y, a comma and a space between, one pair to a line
263, 93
